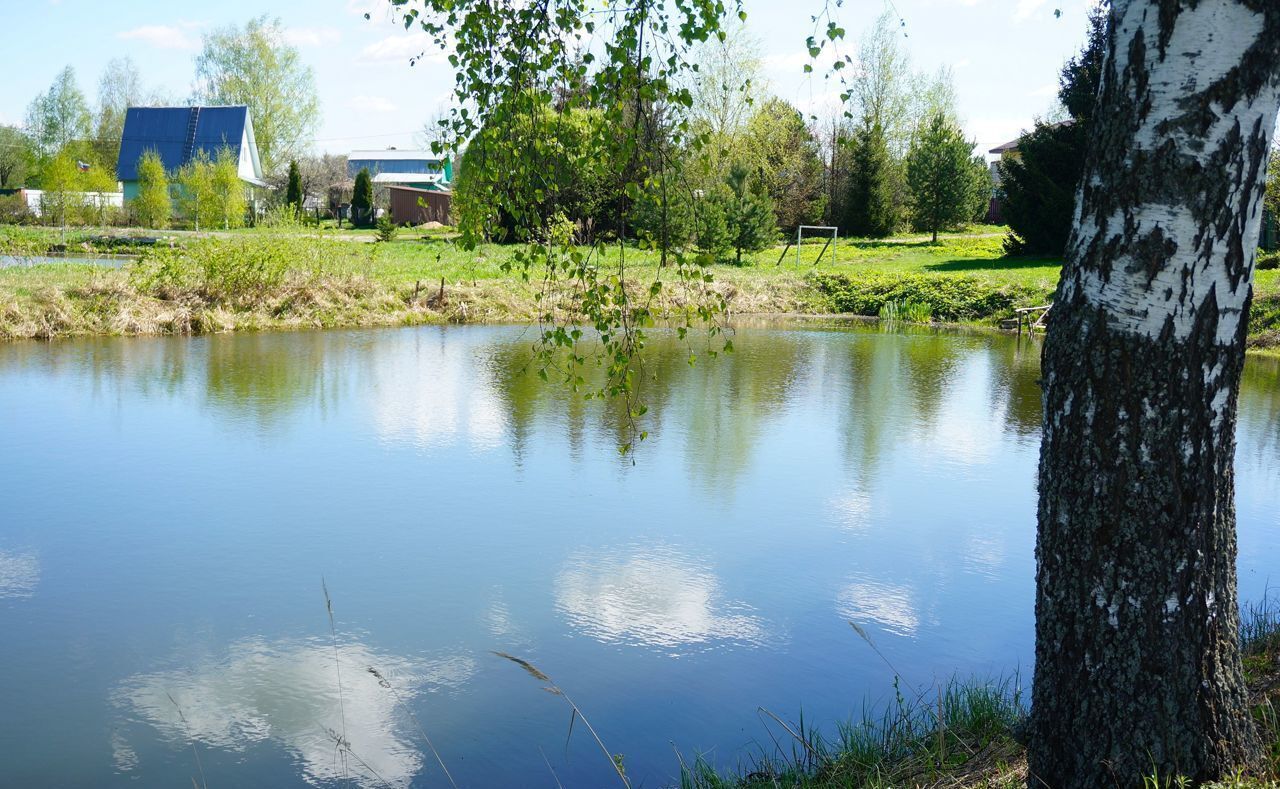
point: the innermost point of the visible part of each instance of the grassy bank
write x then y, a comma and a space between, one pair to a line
289, 278
963, 734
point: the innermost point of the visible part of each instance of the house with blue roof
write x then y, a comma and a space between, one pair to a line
180, 134
399, 167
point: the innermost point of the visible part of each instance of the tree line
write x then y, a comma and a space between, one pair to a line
739, 167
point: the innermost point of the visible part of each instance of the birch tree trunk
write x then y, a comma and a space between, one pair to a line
1137, 658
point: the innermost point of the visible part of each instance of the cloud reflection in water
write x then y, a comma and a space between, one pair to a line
652, 597
887, 605
19, 574
287, 693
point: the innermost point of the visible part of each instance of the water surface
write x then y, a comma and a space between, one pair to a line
171, 508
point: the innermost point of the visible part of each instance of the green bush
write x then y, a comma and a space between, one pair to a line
945, 297
225, 270
14, 211
386, 228
1268, 260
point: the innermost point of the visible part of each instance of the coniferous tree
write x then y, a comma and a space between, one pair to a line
1039, 182
293, 193
871, 200
362, 199
943, 179
748, 214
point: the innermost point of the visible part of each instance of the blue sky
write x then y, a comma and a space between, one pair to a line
1005, 55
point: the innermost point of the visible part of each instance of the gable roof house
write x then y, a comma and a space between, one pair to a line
179, 134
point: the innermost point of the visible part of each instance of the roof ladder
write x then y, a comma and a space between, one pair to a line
193, 120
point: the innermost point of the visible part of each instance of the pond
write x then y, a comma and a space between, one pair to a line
175, 512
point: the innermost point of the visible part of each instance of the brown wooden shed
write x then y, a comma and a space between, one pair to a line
412, 206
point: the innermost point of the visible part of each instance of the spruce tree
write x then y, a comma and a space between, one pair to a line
293, 193
871, 205
362, 199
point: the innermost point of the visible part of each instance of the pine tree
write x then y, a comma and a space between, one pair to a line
941, 177
871, 204
362, 199
748, 214
293, 193
152, 205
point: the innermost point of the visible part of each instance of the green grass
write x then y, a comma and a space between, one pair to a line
965, 277
962, 734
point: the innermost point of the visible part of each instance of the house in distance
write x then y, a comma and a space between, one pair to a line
179, 134
402, 167
416, 183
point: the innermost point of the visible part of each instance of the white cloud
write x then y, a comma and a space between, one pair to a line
160, 36
401, 47
1026, 9
1049, 89
312, 36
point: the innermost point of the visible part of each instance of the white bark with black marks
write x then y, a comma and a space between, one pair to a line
1137, 660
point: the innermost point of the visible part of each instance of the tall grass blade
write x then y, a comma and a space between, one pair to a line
555, 689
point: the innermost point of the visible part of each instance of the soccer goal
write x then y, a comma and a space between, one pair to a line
832, 242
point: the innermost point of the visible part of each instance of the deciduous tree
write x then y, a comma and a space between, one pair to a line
788, 162
153, 204
15, 157
119, 88
255, 66
1137, 644
59, 117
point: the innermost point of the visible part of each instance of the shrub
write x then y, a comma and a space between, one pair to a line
225, 270
946, 297
386, 228
1268, 260
279, 217
14, 211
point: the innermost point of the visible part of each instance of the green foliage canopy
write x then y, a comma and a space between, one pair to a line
153, 204
256, 66
1039, 181
788, 162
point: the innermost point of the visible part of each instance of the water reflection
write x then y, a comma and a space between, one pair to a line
890, 606
19, 574
651, 596
287, 694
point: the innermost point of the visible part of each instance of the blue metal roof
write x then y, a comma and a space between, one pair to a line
178, 134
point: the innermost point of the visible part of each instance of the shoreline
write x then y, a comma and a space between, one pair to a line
289, 281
